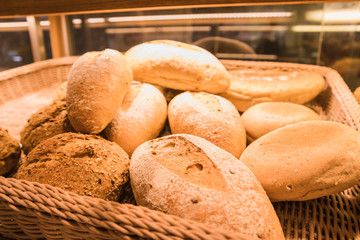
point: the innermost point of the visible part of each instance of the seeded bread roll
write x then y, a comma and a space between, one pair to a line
305, 160
177, 65
9, 152
263, 118
48, 121
97, 84
140, 118
249, 87
187, 176
85, 164
208, 116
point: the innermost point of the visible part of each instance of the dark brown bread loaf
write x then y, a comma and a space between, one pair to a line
85, 164
47, 122
9, 152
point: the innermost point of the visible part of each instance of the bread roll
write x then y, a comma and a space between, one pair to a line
9, 152
85, 164
263, 118
208, 116
187, 176
356, 94
97, 84
249, 87
140, 118
177, 65
305, 160
47, 122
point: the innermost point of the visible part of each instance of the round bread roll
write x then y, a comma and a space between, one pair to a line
177, 65
9, 152
208, 116
60, 93
305, 160
48, 121
85, 164
263, 118
140, 118
97, 84
249, 87
357, 94
190, 177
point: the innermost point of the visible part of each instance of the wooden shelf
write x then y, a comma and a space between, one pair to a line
48, 7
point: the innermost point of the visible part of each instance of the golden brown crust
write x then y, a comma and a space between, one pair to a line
249, 87
177, 65
140, 118
208, 116
357, 94
48, 121
97, 84
85, 164
305, 160
263, 118
187, 176
9, 152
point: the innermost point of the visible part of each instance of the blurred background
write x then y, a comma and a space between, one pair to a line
326, 34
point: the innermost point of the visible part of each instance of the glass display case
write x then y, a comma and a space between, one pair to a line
320, 33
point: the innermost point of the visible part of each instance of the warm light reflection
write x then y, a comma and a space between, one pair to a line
253, 28
13, 24
96, 20
158, 29
335, 16
325, 28
201, 16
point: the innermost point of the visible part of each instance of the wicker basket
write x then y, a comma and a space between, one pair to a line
32, 211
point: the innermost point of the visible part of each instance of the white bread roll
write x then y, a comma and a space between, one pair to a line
187, 176
177, 65
265, 117
208, 116
305, 160
249, 87
97, 84
140, 118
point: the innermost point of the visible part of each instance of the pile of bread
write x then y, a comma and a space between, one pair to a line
166, 115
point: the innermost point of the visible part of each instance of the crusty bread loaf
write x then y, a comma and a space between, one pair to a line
208, 116
265, 117
85, 164
356, 94
177, 65
9, 152
249, 87
97, 84
187, 176
48, 121
140, 118
305, 160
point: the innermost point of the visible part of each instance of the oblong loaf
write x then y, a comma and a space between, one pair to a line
265, 117
190, 177
250, 87
140, 118
177, 65
97, 84
208, 116
305, 160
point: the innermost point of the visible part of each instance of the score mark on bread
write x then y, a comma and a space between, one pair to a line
187, 161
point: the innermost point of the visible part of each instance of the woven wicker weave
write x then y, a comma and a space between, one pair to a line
32, 211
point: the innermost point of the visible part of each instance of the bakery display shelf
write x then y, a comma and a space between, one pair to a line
31, 210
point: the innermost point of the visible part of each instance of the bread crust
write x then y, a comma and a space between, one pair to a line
177, 65
9, 152
263, 118
190, 177
208, 116
85, 164
249, 87
97, 84
140, 118
305, 160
